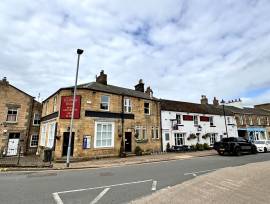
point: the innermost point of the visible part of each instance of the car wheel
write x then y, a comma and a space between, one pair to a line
265, 150
237, 151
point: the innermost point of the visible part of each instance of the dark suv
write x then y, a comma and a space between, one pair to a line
234, 145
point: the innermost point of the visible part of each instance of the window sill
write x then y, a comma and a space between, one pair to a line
212, 126
142, 140
179, 125
11, 122
36, 125
100, 148
155, 139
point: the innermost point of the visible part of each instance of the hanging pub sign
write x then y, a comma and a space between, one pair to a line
66, 107
86, 142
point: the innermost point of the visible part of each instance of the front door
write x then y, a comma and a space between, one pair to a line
127, 141
13, 144
65, 144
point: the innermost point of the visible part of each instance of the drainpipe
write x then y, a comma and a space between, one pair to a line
30, 120
160, 126
122, 122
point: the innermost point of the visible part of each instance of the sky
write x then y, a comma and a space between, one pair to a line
181, 48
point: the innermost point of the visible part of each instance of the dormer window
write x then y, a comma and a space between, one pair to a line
105, 100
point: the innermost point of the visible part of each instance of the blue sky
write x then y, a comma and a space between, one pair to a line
182, 49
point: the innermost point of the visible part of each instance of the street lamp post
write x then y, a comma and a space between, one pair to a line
79, 52
223, 104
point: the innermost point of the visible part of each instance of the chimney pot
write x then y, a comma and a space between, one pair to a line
140, 86
102, 78
204, 99
215, 102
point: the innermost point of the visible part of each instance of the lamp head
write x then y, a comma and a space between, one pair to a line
79, 51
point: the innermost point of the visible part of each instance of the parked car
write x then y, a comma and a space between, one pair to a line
262, 145
234, 145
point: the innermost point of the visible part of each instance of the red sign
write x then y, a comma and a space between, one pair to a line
204, 118
66, 107
188, 117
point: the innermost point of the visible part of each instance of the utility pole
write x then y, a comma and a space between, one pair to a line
223, 104
79, 52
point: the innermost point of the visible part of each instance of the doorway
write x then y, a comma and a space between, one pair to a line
127, 141
65, 144
13, 144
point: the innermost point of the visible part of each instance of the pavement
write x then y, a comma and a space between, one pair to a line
243, 184
116, 161
114, 185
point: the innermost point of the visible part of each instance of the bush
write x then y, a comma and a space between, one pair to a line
122, 153
206, 146
199, 147
138, 151
193, 148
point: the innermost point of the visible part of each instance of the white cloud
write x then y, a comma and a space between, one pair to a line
181, 48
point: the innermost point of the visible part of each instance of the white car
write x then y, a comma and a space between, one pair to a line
262, 145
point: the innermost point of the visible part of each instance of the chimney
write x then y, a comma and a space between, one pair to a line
4, 81
215, 102
149, 92
204, 100
102, 78
140, 86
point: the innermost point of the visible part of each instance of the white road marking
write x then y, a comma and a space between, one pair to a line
154, 185
109, 186
100, 196
57, 198
197, 172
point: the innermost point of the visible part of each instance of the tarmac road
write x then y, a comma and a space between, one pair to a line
109, 185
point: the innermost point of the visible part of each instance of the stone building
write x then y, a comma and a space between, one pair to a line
19, 120
265, 107
106, 118
252, 123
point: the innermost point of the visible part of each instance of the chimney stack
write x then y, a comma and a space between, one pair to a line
140, 86
102, 78
215, 102
204, 99
149, 91
4, 81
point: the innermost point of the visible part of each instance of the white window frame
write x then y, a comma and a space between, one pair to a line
196, 122
12, 109
155, 133
127, 105
178, 118
149, 108
258, 120
228, 120
176, 139
34, 119
108, 103
211, 120
165, 136
212, 138
43, 135
51, 134
112, 136
267, 120
31, 140
241, 120
250, 120
54, 103
144, 133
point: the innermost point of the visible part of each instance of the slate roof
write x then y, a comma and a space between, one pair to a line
248, 111
95, 86
181, 106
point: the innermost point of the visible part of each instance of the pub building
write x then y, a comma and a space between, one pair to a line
107, 119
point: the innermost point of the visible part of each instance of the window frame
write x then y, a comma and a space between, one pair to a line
43, 134
51, 134
35, 119
165, 136
178, 117
127, 106
211, 121
250, 120
178, 137
17, 113
212, 138
145, 108
155, 133
54, 103
197, 120
112, 134
108, 103
31, 140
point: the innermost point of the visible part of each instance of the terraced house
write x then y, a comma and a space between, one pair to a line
186, 124
252, 123
19, 121
107, 118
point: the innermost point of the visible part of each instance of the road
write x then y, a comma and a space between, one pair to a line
109, 185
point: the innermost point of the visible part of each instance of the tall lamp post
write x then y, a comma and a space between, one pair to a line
79, 52
223, 107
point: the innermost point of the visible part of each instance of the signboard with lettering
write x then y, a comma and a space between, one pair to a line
66, 107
